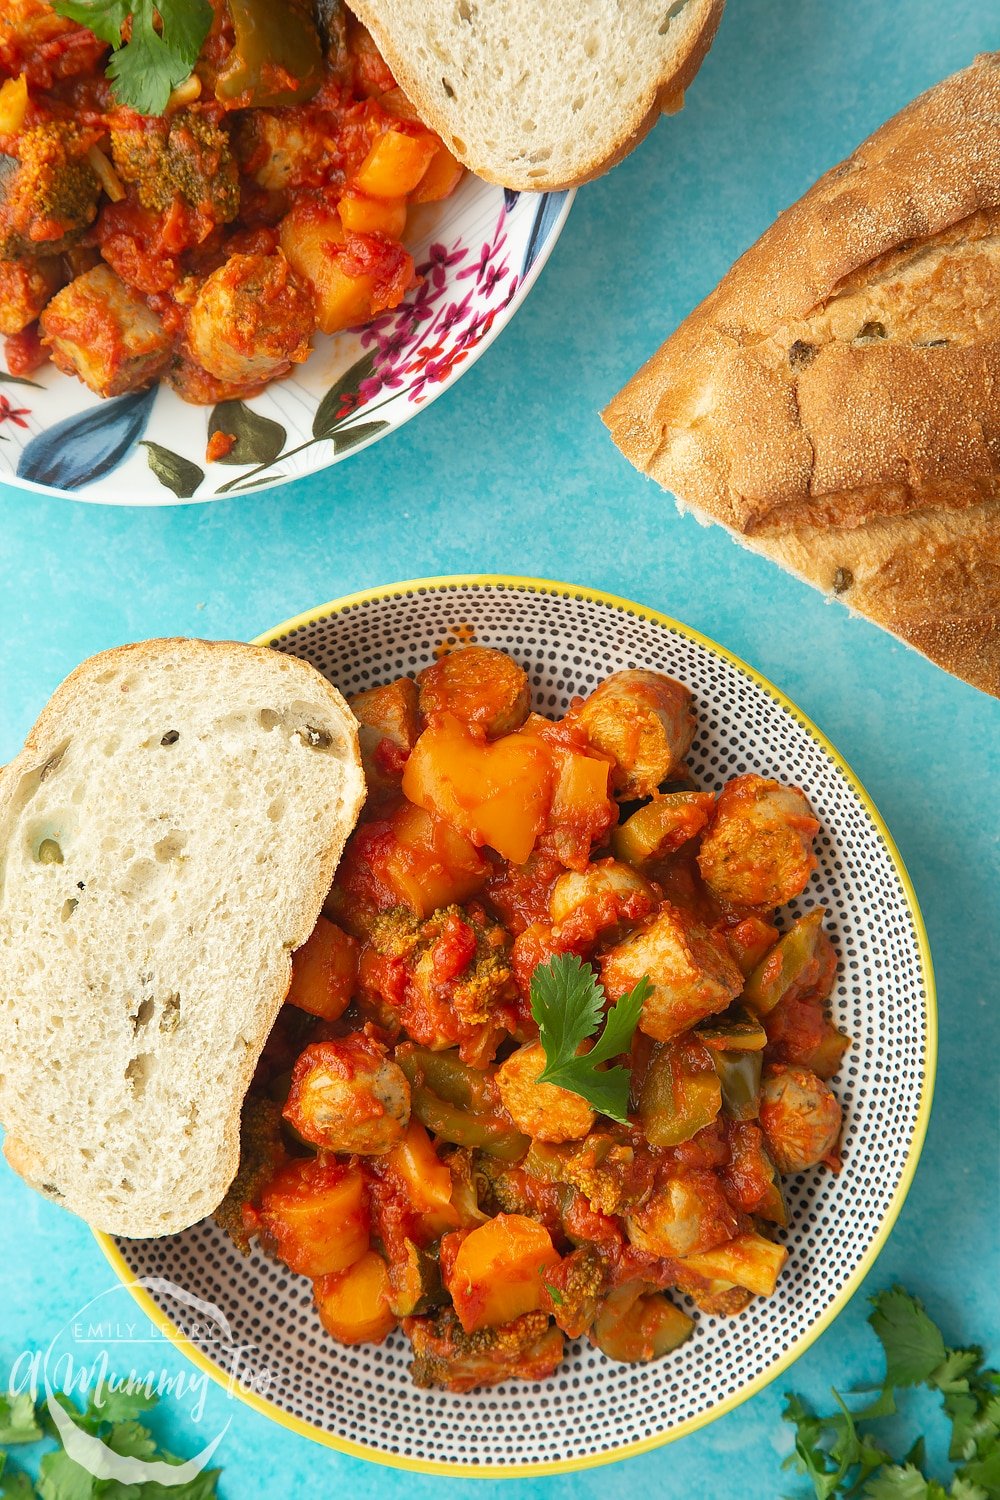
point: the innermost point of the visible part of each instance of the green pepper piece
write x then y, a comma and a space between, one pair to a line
415, 1282
681, 1093
739, 1077
734, 1031
634, 1325
450, 1078
482, 1132
661, 827
780, 969
277, 58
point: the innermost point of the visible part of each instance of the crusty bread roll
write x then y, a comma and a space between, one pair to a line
540, 97
836, 400
168, 835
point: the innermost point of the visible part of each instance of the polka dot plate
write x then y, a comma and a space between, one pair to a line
361, 1400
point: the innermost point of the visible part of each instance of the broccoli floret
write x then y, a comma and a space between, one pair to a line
444, 1355
48, 194
612, 1174
576, 1286
262, 1152
187, 157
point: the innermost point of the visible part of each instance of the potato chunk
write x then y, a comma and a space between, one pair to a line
25, 288
691, 974
252, 320
481, 687
101, 331
542, 1110
758, 848
644, 721
348, 1096
354, 1304
498, 1273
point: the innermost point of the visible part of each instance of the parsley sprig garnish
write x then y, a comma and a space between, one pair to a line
842, 1458
144, 69
568, 1004
112, 1415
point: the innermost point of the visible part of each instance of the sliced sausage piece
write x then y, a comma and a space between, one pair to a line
349, 1096
758, 848
645, 722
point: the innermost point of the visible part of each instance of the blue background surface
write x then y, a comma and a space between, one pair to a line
512, 472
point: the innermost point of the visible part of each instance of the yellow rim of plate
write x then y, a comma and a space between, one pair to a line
644, 1445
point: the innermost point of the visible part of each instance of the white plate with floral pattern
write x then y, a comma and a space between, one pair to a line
478, 255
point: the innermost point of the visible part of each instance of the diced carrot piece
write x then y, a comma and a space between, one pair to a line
13, 105
354, 1304
313, 1215
499, 1271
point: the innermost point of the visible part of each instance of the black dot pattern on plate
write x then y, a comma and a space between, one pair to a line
592, 1406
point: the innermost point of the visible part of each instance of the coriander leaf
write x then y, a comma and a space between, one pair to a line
16, 1486
144, 69
950, 1375
131, 1440
202, 1487
553, 1291
984, 1471
622, 1019
567, 1002
961, 1489
119, 1405
59, 1478
898, 1483
913, 1345
105, 18
811, 1457
18, 1420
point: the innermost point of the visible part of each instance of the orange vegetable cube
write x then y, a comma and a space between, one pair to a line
429, 864
13, 104
496, 793
441, 178
395, 164
313, 1215
749, 1260
354, 1304
424, 1177
499, 1271
324, 972
363, 215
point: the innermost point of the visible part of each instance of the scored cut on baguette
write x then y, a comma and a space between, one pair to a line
541, 98
167, 836
835, 402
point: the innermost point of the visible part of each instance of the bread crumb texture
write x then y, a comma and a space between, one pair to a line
537, 100
836, 400
168, 835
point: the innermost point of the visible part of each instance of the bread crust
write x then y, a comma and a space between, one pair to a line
835, 401
666, 97
39, 1163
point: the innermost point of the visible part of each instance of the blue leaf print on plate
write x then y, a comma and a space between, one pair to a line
550, 206
510, 197
81, 449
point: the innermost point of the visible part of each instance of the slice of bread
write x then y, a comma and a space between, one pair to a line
167, 837
542, 97
835, 402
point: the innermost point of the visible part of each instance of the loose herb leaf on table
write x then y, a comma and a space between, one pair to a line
568, 1004
841, 1457
110, 1415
